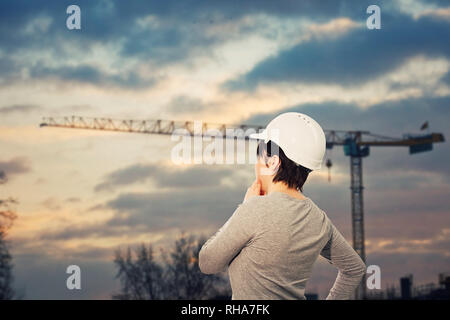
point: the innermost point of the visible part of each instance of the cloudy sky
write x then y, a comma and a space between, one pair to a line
83, 194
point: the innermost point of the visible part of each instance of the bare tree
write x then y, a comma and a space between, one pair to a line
178, 276
140, 277
7, 216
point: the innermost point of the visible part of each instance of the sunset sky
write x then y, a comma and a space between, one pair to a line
83, 194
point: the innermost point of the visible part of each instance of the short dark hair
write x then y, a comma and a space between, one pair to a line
291, 173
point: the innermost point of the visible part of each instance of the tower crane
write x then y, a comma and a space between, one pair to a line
356, 145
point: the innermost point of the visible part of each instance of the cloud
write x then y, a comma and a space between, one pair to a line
163, 176
196, 198
82, 231
333, 28
440, 13
20, 110
73, 200
139, 214
51, 204
160, 210
417, 77
24, 108
358, 56
439, 243
125, 46
387, 118
92, 75
150, 34
15, 166
126, 176
32, 108
446, 78
3, 178
186, 104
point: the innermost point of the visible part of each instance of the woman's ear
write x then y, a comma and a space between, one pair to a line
274, 164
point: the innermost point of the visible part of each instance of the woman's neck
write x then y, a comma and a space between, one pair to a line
282, 187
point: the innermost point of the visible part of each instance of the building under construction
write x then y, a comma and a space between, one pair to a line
406, 290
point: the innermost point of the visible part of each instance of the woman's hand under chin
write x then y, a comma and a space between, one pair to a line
254, 190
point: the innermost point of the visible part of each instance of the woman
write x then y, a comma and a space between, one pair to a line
273, 238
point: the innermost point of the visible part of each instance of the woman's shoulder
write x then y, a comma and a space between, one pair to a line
254, 201
256, 204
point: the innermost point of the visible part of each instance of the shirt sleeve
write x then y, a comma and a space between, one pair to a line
219, 250
351, 267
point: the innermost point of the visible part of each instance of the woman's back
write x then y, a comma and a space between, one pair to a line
277, 262
270, 245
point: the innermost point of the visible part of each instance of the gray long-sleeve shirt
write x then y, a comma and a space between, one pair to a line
270, 244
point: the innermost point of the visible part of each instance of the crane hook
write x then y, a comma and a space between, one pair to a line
329, 164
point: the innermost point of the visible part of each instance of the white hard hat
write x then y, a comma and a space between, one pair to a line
299, 136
